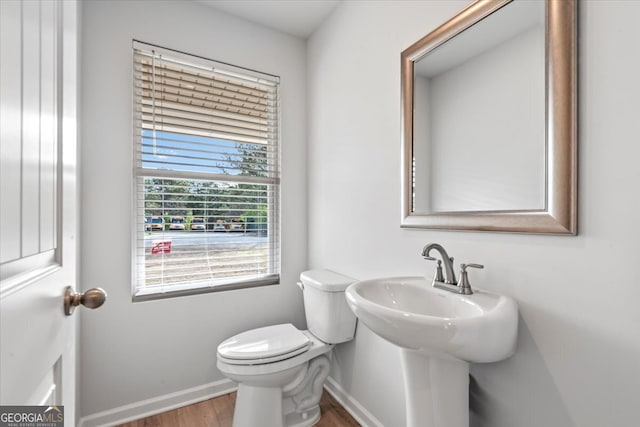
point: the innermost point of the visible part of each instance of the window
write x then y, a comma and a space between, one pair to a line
206, 175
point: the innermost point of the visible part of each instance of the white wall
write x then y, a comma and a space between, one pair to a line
131, 352
579, 340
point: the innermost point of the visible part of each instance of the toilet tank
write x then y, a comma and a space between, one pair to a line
328, 315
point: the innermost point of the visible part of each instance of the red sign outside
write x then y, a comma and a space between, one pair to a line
161, 247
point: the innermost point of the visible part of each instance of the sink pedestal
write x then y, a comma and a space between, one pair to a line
450, 330
436, 390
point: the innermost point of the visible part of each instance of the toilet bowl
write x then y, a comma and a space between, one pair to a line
280, 370
277, 387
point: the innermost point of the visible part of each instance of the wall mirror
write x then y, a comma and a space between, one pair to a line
489, 120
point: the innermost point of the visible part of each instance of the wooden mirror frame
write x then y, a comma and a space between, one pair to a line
560, 213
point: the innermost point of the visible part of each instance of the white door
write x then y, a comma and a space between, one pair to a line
38, 206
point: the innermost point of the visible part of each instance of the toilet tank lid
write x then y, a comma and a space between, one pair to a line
326, 280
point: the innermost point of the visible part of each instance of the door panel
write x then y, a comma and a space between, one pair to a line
34, 335
48, 128
10, 130
29, 131
30, 192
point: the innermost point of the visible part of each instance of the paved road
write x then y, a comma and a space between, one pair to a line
194, 238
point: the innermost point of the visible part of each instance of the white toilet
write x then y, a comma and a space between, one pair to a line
280, 370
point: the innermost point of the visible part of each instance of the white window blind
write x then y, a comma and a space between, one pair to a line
207, 175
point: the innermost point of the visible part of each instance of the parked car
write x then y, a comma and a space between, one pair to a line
177, 223
198, 224
236, 224
156, 223
147, 223
219, 225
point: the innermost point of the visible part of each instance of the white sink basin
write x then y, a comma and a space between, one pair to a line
409, 312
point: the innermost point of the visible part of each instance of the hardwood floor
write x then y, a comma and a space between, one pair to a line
218, 412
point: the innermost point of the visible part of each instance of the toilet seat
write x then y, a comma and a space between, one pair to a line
264, 345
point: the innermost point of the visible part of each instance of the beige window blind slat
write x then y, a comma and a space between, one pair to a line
170, 81
201, 100
185, 71
160, 88
199, 112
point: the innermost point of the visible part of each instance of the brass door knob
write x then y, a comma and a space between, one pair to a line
93, 298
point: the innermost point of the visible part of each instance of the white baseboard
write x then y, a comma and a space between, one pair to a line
167, 402
352, 406
156, 405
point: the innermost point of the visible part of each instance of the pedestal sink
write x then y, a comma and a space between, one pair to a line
439, 333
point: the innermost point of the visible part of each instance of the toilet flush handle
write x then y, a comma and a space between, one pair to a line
300, 285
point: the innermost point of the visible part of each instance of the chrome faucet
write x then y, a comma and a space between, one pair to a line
448, 262
450, 283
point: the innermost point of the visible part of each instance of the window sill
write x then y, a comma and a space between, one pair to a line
174, 291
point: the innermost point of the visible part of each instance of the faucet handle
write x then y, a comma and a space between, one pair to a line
464, 286
438, 277
463, 267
